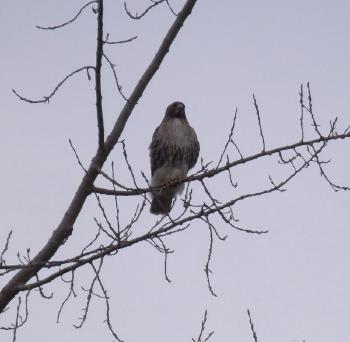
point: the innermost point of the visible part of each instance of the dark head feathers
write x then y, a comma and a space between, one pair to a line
175, 110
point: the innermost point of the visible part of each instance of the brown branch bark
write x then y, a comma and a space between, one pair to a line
65, 227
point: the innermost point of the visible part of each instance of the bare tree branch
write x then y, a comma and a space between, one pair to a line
259, 122
106, 298
71, 292
98, 90
106, 41
46, 99
119, 87
65, 227
2, 261
69, 21
311, 111
229, 138
76, 155
139, 16
89, 296
171, 9
207, 270
301, 94
200, 336
252, 327
215, 171
19, 320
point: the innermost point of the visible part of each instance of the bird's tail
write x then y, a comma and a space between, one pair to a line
161, 204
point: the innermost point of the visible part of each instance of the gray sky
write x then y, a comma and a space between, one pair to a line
295, 279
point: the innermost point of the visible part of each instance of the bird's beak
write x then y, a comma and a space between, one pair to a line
180, 108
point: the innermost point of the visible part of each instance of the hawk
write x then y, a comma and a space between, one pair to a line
173, 151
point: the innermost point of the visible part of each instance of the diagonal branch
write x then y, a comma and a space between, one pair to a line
119, 87
252, 326
148, 74
65, 227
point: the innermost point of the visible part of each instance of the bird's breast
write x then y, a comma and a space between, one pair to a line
178, 133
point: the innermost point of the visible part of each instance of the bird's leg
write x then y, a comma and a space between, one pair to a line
173, 182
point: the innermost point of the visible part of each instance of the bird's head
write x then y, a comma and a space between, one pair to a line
175, 110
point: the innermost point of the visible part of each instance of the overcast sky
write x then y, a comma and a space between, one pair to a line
295, 279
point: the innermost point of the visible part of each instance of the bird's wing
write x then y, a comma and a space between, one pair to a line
193, 150
157, 151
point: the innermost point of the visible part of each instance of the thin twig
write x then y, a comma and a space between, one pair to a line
119, 87
315, 124
46, 99
71, 292
229, 138
252, 326
89, 296
76, 155
139, 16
69, 21
171, 9
105, 296
301, 94
117, 216
207, 270
41, 291
106, 41
199, 338
16, 321
259, 121
2, 261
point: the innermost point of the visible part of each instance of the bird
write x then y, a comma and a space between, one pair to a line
174, 150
